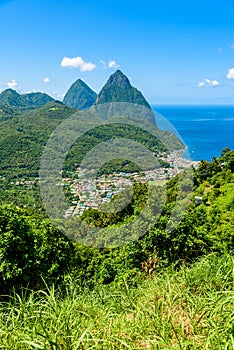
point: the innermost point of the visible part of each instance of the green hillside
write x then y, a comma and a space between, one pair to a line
23, 137
11, 98
75, 296
204, 229
36, 99
7, 112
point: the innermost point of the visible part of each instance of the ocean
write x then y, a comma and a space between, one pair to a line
205, 130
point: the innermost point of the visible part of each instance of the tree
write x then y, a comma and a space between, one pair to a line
30, 251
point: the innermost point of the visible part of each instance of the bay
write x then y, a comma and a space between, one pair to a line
205, 130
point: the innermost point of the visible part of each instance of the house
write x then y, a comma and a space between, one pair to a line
198, 200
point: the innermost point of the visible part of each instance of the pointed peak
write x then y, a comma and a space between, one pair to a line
119, 89
9, 91
80, 81
79, 95
119, 78
119, 72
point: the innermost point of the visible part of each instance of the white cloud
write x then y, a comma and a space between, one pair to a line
46, 80
112, 64
103, 63
208, 83
12, 84
230, 74
231, 46
220, 50
77, 62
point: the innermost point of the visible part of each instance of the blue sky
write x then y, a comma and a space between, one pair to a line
173, 51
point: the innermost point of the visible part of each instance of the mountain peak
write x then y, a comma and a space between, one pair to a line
10, 91
119, 89
12, 98
119, 79
80, 95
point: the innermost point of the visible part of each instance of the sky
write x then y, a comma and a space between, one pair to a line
175, 52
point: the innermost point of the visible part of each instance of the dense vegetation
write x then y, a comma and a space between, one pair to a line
7, 112
104, 133
167, 289
189, 309
96, 298
205, 228
23, 136
11, 98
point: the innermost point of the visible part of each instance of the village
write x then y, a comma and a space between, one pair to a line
90, 192
85, 191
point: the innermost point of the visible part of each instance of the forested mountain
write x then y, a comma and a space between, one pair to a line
7, 112
11, 98
23, 137
169, 288
26, 122
119, 89
80, 96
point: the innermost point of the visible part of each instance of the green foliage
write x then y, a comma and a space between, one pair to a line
35, 100
7, 112
30, 250
104, 133
22, 139
187, 241
189, 309
203, 229
11, 98
108, 305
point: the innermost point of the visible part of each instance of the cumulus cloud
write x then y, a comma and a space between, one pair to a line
110, 64
230, 74
46, 80
208, 83
77, 62
12, 84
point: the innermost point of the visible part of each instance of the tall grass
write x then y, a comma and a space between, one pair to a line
189, 309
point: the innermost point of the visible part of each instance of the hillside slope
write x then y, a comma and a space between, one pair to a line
11, 98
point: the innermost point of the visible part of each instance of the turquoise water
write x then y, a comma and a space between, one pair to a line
205, 130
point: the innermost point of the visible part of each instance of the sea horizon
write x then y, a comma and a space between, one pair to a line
205, 129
